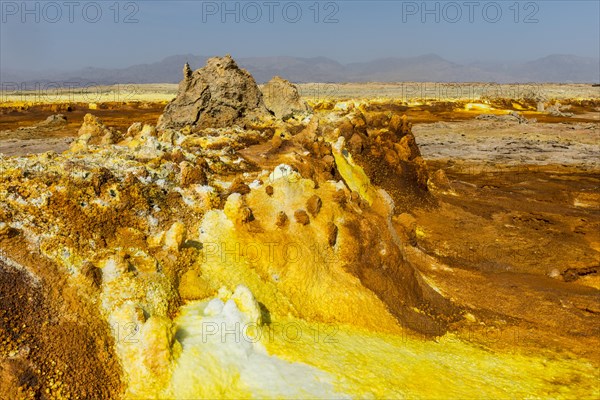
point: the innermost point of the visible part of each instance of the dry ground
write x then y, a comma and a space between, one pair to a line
515, 236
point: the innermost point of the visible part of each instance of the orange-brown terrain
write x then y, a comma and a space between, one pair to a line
462, 231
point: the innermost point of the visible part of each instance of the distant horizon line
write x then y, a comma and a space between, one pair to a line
13, 69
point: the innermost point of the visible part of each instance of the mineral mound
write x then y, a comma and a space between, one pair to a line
282, 98
218, 95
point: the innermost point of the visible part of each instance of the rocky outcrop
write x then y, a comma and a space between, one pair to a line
92, 126
385, 148
218, 95
382, 144
53, 121
282, 98
93, 131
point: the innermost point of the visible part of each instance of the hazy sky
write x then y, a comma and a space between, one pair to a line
72, 34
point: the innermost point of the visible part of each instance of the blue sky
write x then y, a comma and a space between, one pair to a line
76, 36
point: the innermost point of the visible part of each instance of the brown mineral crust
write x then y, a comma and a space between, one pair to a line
405, 225
301, 217
439, 180
391, 158
572, 274
306, 151
191, 174
340, 197
317, 164
80, 222
238, 186
313, 205
55, 344
281, 219
382, 144
247, 215
332, 232
394, 280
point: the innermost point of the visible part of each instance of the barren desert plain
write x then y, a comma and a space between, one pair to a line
220, 239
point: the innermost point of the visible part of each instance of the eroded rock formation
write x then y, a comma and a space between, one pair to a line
282, 98
218, 95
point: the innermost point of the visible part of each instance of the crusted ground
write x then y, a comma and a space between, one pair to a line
370, 255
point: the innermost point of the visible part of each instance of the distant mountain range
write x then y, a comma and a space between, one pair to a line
426, 68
